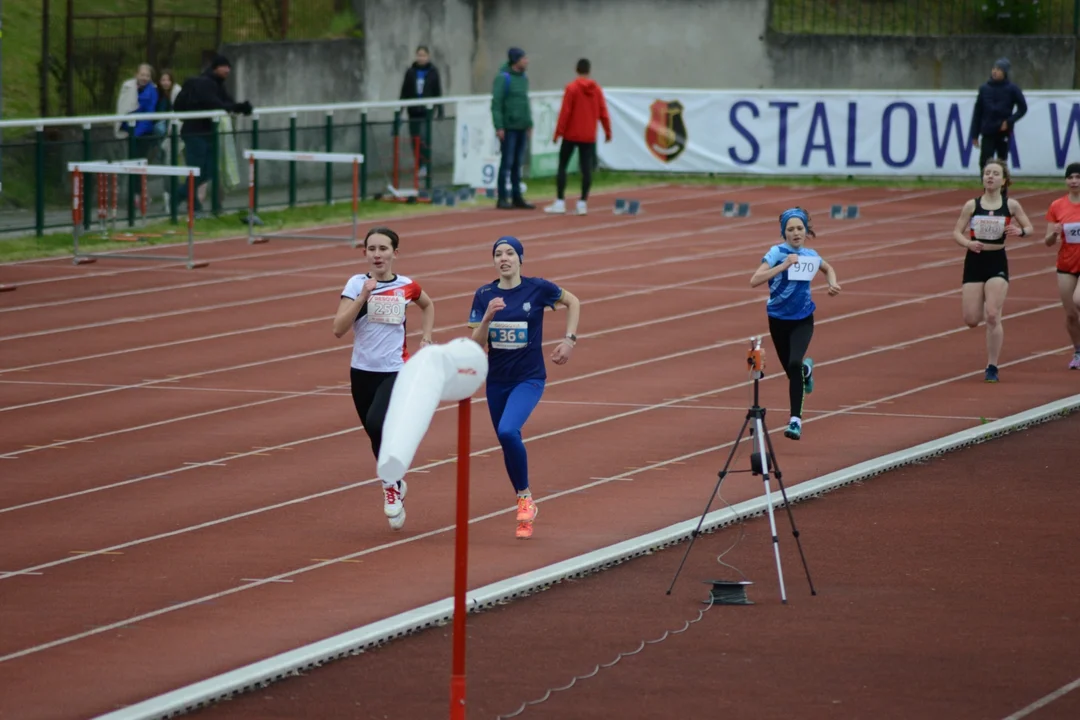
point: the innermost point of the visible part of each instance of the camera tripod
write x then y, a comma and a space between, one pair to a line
762, 462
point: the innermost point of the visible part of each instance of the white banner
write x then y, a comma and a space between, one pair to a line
477, 156
780, 132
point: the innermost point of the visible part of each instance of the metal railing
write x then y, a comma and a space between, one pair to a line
925, 18
36, 190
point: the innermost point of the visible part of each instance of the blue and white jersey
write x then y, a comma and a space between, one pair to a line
516, 333
789, 292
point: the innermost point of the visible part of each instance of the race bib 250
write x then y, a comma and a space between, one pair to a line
386, 309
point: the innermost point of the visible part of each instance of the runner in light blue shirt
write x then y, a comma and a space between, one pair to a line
789, 268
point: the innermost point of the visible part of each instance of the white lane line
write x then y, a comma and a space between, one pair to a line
447, 529
1045, 700
608, 331
477, 453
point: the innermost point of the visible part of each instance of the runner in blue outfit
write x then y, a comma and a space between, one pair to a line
789, 268
507, 317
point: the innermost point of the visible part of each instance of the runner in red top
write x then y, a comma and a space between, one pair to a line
373, 305
583, 106
1064, 222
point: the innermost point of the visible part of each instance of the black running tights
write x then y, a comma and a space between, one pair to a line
791, 338
371, 396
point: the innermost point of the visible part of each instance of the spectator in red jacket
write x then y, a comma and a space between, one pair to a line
583, 107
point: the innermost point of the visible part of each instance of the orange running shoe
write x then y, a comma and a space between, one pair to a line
524, 530
526, 511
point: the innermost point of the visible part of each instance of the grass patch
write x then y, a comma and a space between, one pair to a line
540, 190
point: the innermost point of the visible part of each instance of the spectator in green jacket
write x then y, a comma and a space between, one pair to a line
512, 117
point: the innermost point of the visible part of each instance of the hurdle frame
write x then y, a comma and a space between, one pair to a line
130, 167
253, 156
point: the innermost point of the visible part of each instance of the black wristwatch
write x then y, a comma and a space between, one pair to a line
572, 337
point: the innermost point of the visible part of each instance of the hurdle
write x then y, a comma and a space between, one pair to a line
142, 169
253, 156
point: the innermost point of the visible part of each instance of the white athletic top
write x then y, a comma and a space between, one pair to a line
379, 329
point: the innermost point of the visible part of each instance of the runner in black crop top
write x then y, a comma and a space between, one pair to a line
1001, 212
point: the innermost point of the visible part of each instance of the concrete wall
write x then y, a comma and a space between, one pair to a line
868, 63
635, 43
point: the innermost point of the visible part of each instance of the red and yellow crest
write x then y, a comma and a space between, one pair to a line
665, 135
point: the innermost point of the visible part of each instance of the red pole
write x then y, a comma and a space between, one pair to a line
397, 161
461, 564
416, 163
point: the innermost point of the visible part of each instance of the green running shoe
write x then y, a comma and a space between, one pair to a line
808, 375
793, 431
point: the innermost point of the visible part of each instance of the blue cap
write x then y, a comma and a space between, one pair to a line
787, 215
515, 54
512, 242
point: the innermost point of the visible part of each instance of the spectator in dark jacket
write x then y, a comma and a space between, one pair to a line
421, 81
205, 92
997, 109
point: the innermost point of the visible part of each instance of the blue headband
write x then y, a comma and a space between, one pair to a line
512, 242
787, 215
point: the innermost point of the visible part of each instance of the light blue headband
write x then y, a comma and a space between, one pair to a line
787, 215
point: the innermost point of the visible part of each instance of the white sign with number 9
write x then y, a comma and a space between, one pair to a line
805, 268
386, 309
508, 335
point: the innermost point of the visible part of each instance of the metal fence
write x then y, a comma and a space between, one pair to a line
925, 18
37, 187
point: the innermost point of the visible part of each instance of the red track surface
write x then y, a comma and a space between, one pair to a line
183, 469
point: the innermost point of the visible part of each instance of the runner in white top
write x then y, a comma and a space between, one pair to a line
373, 305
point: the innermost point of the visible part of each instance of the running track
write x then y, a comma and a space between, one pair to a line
186, 489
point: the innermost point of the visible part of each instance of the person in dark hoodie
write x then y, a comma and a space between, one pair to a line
999, 106
511, 115
205, 92
421, 81
583, 106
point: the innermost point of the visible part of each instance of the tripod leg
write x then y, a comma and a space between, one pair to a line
760, 431
787, 506
723, 473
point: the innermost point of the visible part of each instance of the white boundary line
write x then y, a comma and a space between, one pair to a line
1045, 700
292, 662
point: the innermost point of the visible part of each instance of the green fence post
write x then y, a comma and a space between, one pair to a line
132, 179
87, 151
292, 163
174, 157
255, 146
363, 151
426, 151
215, 174
39, 181
329, 166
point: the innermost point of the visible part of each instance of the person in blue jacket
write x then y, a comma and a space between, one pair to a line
789, 268
999, 106
507, 317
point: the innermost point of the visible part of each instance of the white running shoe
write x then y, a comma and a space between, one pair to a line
394, 506
556, 208
582, 208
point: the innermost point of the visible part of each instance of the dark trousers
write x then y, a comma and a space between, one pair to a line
512, 148
586, 157
371, 397
791, 338
993, 145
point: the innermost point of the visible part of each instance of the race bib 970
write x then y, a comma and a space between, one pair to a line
988, 227
805, 268
386, 309
1071, 233
508, 335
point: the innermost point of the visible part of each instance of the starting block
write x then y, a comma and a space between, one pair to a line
840, 212
732, 209
626, 207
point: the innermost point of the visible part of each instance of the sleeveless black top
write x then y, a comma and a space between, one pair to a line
988, 226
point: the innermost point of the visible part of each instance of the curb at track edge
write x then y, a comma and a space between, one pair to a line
368, 637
